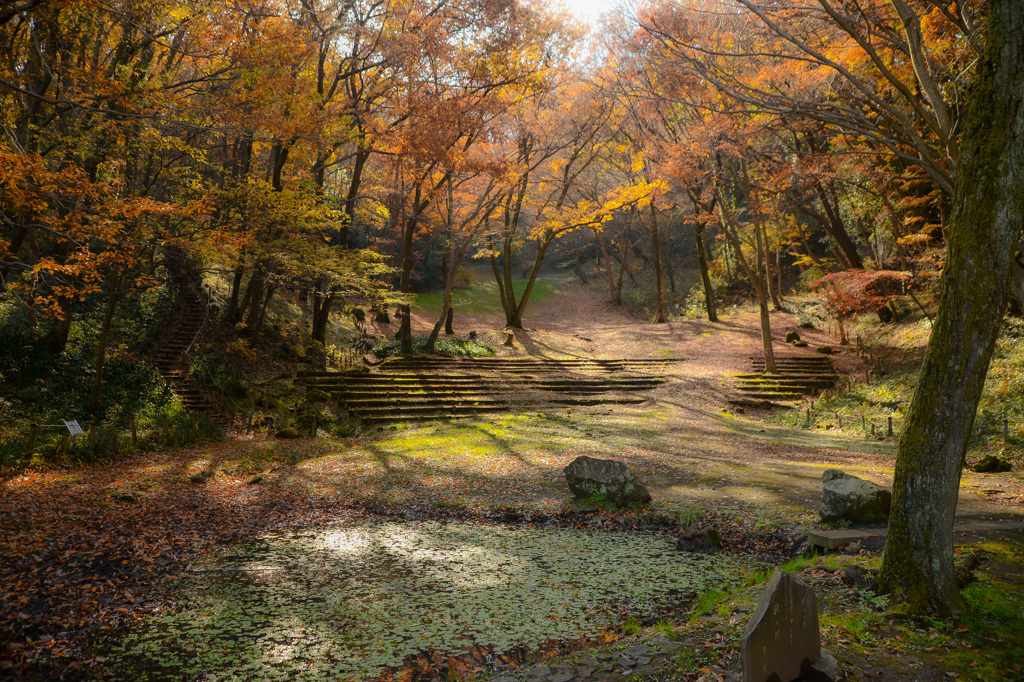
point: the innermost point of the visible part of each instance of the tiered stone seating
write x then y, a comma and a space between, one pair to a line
795, 377
427, 387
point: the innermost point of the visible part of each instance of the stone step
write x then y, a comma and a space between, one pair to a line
392, 410
793, 376
403, 403
768, 395
806, 383
762, 403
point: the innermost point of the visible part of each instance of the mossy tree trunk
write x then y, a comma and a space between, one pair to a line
705, 275
988, 212
659, 277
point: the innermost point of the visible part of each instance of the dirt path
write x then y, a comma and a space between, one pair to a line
716, 455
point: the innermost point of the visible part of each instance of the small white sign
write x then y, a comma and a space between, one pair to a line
73, 428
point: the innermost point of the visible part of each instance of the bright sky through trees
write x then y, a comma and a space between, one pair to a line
589, 10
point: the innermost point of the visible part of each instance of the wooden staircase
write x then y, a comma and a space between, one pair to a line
794, 378
431, 387
190, 316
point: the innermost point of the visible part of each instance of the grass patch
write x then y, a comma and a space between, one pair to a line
482, 298
707, 602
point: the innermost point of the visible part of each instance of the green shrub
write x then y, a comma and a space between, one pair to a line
454, 347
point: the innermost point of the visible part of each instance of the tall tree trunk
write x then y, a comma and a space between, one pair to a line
1017, 280
754, 273
542, 248
659, 316
837, 230
323, 304
405, 286
56, 339
705, 277
668, 263
987, 219
508, 305
233, 313
623, 268
101, 346
768, 279
762, 286
609, 275
448, 274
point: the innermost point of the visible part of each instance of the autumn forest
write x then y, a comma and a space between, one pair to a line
283, 281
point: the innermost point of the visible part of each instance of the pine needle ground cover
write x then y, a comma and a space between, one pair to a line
359, 602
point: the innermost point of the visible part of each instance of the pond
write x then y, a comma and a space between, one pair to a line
356, 602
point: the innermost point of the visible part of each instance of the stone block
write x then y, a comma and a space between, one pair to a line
834, 539
781, 640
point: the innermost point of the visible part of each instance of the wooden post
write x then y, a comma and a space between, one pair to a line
64, 446
195, 427
812, 403
248, 421
872, 428
808, 417
890, 426
135, 434
839, 420
34, 429
863, 423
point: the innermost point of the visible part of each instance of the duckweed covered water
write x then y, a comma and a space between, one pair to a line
350, 602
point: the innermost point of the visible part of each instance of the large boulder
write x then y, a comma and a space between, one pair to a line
607, 479
846, 497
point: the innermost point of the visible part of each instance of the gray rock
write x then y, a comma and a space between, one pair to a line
827, 667
792, 337
541, 671
585, 671
849, 498
561, 677
607, 479
856, 576
706, 541
635, 651
781, 639
587, 659
505, 679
